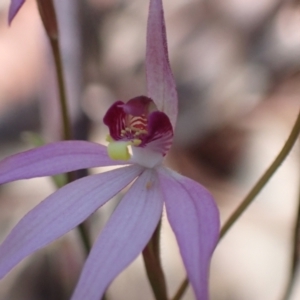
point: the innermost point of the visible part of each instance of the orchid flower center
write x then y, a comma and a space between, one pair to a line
138, 131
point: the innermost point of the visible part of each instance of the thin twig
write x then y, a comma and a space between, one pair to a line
264, 178
181, 289
295, 256
254, 191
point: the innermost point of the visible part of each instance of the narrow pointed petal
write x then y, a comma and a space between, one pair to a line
55, 158
160, 81
123, 238
14, 7
60, 212
194, 218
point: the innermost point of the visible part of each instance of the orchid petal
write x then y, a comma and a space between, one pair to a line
123, 238
55, 158
160, 81
194, 218
60, 212
14, 7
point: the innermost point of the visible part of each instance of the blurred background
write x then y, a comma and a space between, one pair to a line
236, 65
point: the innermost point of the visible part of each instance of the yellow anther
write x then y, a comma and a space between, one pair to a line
143, 131
139, 131
136, 142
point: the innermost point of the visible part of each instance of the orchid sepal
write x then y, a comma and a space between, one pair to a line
53, 159
191, 209
161, 86
112, 251
60, 212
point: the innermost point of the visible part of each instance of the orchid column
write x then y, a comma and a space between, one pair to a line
140, 135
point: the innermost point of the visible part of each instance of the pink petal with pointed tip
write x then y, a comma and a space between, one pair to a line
194, 218
14, 7
55, 158
60, 212
123, 238
161, 85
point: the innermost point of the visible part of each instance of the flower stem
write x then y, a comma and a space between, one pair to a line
254, 191
153, 266
264, 178
67, 134
295, 256
181, 289
48, 16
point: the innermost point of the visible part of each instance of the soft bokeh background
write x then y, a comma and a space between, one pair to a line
236, 65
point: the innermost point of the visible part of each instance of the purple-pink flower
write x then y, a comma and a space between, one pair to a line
140, 135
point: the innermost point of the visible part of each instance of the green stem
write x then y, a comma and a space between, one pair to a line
254, 191
85, 237
264, 178
295, 256
181, 289
153, 266
67, 134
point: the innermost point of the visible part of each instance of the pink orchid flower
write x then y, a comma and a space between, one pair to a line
141, 133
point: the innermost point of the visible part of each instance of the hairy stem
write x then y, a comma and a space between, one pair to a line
48, 16
67, 134
153, 266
